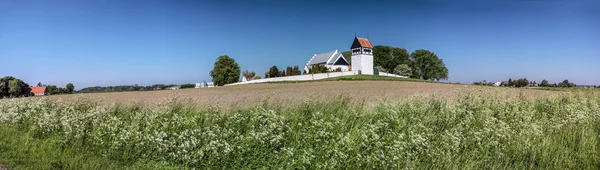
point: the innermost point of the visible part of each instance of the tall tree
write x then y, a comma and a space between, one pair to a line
544, 83
14, 88
273, 72
427, 66
11, 86
70, 88
389, 57
225, 71
39, 84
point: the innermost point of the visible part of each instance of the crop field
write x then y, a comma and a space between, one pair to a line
316, 125
369, 93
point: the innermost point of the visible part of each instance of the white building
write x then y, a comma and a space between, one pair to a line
332, 60
362, 56
205, 84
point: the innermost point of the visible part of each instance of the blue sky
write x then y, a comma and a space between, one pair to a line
118, 42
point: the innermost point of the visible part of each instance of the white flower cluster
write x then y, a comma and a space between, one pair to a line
421, 133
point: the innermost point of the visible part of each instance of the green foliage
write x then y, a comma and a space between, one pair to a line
296, 71
274, 72
348, 56
225, 71
544, 83
403, 70
522, 82
566, 83
70, 88
389, 57
122, 88
474, 132
187, 86
318, 68
13, 87
427, 66
483, 83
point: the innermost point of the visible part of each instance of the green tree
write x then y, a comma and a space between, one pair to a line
544, 83
318, 68
225, 71
273, 72
70, 88
14, 88
11, 86
427, 66
348, 56
389, 57
403, 70
566, 83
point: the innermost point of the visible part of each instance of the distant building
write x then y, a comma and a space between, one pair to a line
332, 60
175, 87
497, 83
204, 84
39, 91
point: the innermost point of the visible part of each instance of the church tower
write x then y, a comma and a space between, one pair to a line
362, 56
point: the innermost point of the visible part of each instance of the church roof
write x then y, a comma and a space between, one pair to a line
336, 58
361, 42
322, 58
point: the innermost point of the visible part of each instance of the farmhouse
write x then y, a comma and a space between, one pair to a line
39, 91
332, 60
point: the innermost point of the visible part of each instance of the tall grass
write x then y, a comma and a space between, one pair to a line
475, 132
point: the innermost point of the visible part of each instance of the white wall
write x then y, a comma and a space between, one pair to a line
362, 62
309, 77
367, 64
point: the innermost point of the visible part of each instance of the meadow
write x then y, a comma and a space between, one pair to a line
454, 127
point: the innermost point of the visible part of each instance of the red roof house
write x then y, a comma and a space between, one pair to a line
39, 91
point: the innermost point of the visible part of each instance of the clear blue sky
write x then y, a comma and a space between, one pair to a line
119, 42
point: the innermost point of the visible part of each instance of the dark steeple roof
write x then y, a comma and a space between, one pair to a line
361, 42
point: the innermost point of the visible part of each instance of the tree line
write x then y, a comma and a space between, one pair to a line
134, 87
523, 82
14, 87
420, 64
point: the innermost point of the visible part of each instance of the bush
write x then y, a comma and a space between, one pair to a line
187, 86
403, 70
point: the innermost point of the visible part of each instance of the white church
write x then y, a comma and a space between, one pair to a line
362, 58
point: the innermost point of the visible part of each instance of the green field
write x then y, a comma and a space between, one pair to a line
474, 132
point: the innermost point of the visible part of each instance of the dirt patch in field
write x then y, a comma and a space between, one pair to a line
367, 92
